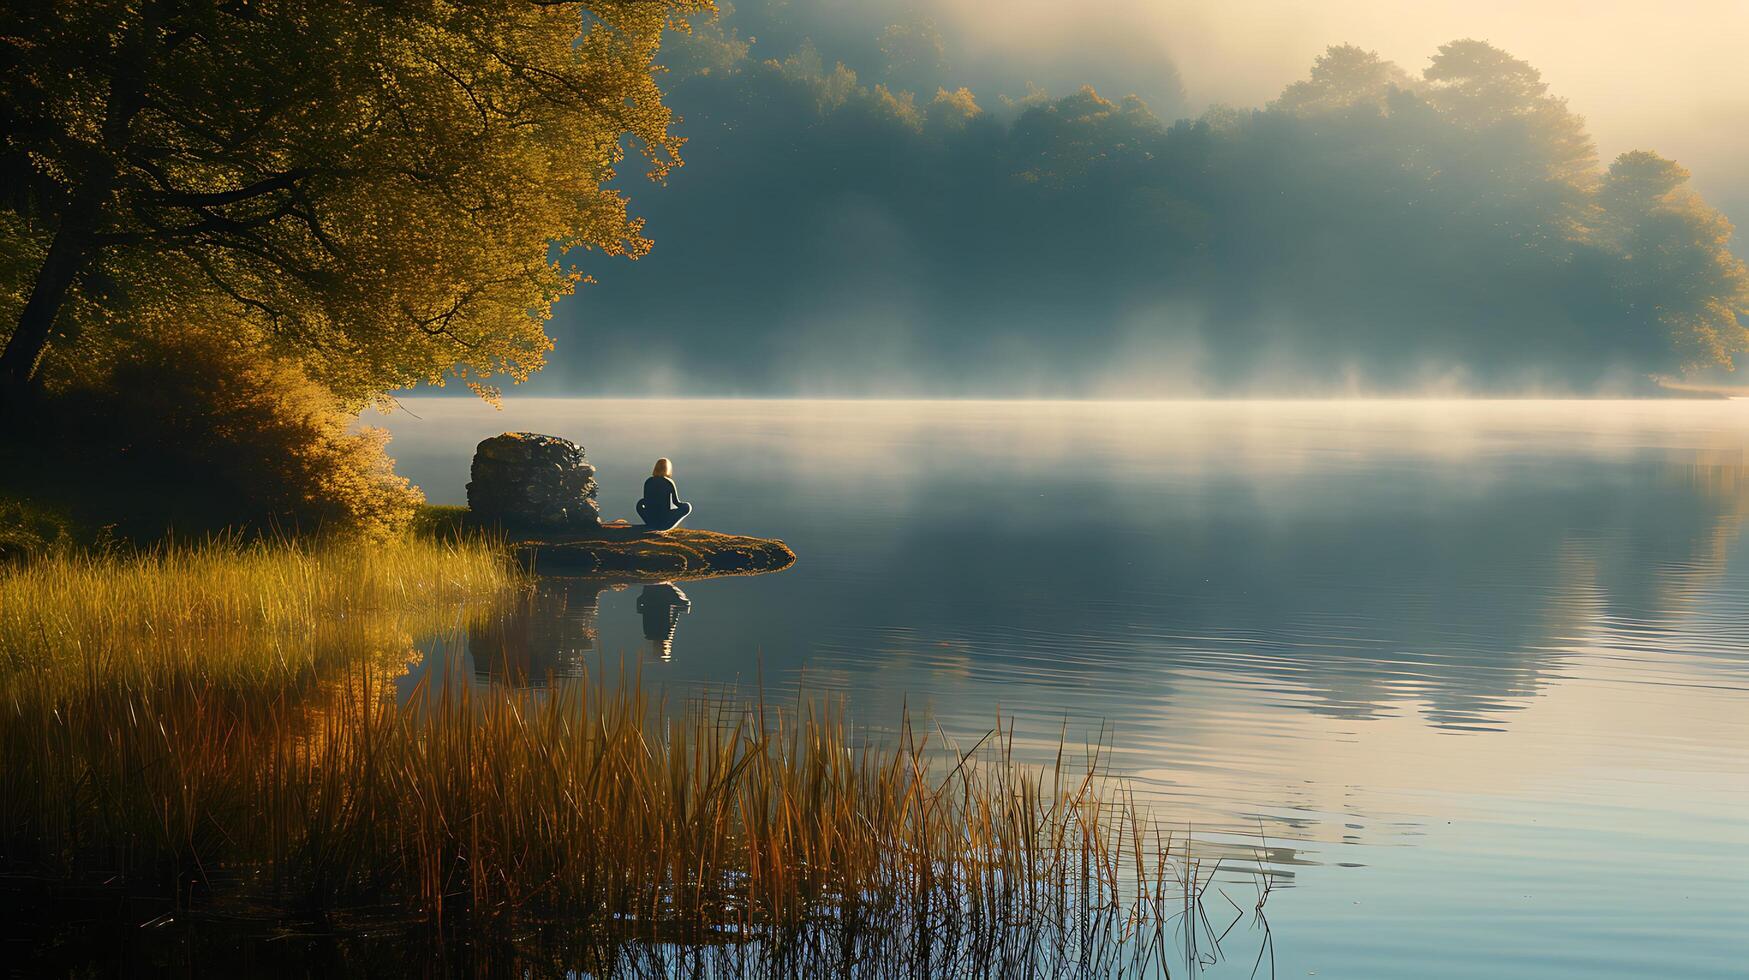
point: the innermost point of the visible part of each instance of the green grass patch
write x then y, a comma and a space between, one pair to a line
442, 520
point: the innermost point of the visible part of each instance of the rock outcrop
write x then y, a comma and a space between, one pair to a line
633, 553
526, 481
541, 490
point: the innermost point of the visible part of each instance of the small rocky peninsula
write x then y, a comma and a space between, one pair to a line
540, 490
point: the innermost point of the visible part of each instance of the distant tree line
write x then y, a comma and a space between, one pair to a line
1367, 227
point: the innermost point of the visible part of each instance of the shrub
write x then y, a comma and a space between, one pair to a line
27, 531
197, 432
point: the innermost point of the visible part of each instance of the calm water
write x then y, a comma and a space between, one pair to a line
1479, 671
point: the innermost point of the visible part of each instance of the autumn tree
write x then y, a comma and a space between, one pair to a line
1344, 76
1677, 269
1530, 149
371, 189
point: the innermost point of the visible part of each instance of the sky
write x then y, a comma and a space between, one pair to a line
1666, 76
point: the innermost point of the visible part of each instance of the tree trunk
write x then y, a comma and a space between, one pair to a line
75, 242
68, 255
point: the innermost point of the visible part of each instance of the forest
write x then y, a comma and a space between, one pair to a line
1371, 230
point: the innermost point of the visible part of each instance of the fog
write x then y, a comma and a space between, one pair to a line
901, 199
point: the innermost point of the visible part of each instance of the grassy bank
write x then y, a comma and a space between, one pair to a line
131, 603
228, 727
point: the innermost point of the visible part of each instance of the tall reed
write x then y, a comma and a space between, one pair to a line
230, 726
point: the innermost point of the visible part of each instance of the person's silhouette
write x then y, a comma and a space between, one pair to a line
661, 605
661, 507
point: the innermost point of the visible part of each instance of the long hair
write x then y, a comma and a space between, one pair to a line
663, 468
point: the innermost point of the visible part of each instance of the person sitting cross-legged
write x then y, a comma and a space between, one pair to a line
662, 509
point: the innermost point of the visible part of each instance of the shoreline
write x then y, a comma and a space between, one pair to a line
684, 553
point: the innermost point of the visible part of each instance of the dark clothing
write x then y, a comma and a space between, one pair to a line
662, 508
658, 520
660, 494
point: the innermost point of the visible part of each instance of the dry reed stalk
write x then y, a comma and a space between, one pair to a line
222, 725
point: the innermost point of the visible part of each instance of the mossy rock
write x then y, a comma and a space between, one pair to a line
634, 551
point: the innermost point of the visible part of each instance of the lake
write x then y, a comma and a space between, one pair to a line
1476, 672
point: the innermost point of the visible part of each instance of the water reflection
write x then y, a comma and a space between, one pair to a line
553, 633
543, 635
661, 605
1514, 635
1347, 560
1352, 601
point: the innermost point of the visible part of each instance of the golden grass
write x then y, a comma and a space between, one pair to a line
117, 601
219, 725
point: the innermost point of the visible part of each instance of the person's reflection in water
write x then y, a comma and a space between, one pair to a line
661, 605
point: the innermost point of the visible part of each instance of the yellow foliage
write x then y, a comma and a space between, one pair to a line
1677, 261
374, 190
953, 109
233, 438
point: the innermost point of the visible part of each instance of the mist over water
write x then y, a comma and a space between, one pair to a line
1475, 669
905, 201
